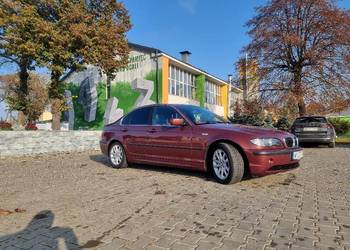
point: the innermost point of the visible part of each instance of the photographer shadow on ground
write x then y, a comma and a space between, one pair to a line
40, 234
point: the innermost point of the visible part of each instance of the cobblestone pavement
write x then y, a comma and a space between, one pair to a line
76, 201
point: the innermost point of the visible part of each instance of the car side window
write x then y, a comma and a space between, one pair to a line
162, 115
138, 117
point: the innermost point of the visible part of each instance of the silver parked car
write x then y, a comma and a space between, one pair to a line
316, 129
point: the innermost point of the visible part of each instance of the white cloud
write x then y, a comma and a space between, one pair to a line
188, 5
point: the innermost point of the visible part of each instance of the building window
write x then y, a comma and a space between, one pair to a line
181, 82
212, 93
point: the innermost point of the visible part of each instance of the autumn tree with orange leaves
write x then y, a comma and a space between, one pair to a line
18, 46
37, 95
63, 36
303, 51
78, 33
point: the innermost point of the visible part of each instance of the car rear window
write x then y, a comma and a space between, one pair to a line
310, 120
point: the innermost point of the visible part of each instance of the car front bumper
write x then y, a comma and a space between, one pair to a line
264, 162
316, 139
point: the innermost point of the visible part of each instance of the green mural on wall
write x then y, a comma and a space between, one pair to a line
123, 91
152, 75
200, 89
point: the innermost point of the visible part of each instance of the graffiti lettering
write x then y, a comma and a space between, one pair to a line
133, 63
145, 87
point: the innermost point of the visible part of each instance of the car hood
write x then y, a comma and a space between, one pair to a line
249, 130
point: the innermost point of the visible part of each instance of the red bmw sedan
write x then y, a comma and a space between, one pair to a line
192, 137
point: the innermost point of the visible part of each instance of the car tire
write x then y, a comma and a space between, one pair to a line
331, 144
117, 156
227, 164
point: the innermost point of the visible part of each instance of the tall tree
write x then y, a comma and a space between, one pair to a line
81, 32
303, 51
19, 27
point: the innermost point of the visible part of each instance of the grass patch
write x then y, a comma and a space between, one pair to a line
347, 134
343, 139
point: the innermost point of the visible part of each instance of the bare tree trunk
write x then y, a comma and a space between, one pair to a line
299, 92
56, 114
21, 119
23, 91
301, 107
56, 101
23, 77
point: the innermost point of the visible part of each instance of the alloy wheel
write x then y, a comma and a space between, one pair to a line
221, 164
116, 154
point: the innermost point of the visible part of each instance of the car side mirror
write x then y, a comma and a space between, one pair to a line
177, 122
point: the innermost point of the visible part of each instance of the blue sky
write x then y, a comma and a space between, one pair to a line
213, 30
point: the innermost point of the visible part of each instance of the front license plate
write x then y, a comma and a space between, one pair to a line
310, 129
297, 155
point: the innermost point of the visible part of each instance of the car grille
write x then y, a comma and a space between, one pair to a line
291, 142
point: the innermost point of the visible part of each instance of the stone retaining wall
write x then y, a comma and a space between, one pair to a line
17, 143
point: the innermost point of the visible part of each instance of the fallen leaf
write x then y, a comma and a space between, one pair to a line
20, 210
160, 192
4, 212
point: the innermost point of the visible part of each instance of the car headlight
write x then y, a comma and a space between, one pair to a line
267, 142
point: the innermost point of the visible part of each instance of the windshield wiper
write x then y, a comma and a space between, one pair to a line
207, 122
211, 122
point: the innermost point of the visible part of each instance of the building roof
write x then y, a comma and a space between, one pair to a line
159, 52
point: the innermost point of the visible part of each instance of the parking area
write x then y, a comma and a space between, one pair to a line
75, 200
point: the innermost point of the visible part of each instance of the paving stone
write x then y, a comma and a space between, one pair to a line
254, 244
145, 207
280, 243
304, 242
141, 242
205, 245
330, 240
228, 244
192, 237
239, 235
182, 246
331, 230
154, 247
165, 242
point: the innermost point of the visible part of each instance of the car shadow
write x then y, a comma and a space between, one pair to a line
40, 234
100, 158
163, 169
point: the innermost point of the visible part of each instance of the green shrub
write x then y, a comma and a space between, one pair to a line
282, 124
268, 122
341, 126
248, 120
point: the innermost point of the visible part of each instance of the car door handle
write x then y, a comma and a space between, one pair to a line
153, 130
124, 129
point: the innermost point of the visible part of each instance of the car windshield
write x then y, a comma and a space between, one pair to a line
200, 115
311, 120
